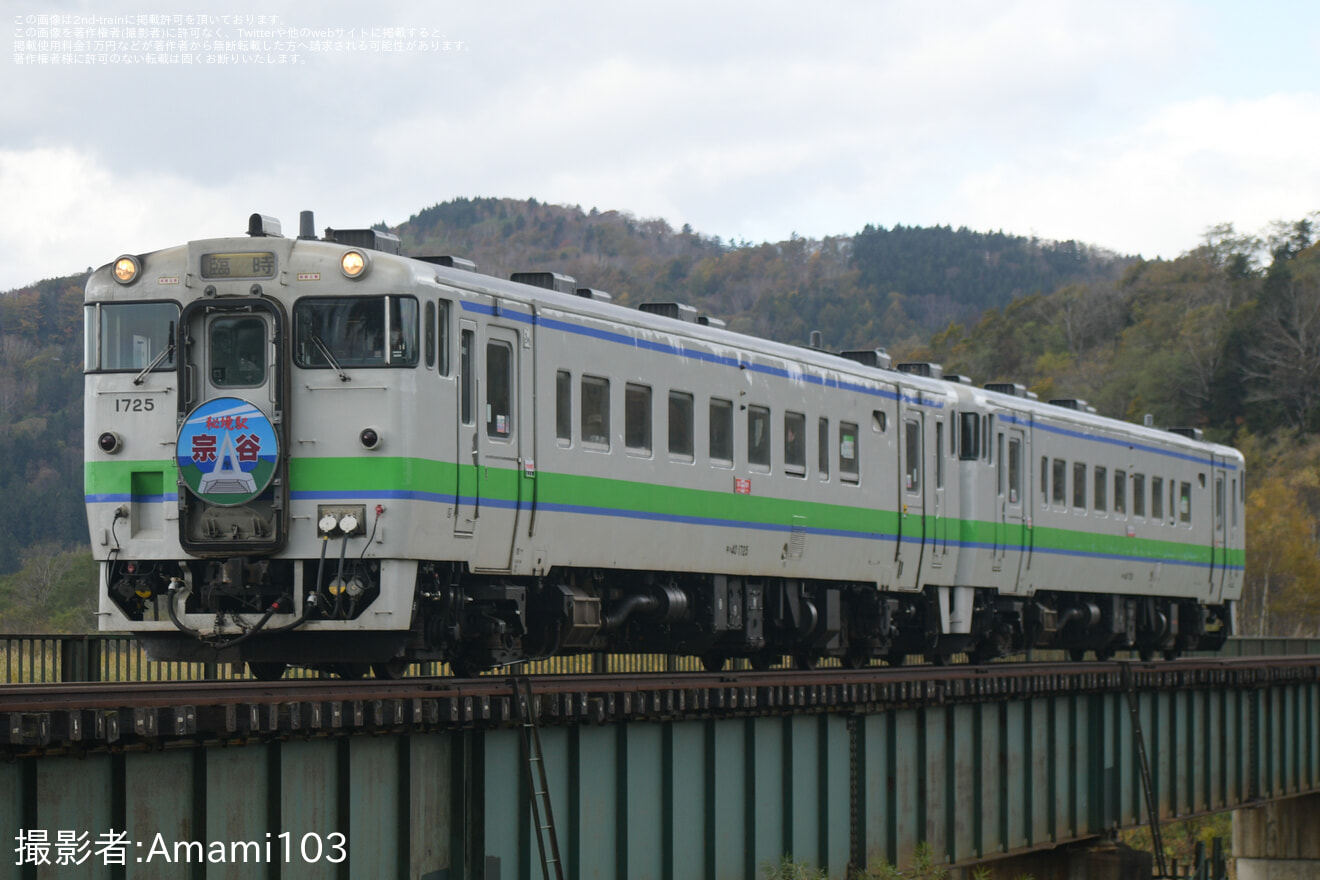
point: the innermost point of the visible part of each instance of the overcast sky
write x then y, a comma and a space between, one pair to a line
1130, 125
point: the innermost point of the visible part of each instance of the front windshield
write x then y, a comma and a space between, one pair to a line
355, 330
132, 335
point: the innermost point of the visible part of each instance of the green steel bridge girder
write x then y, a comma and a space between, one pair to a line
705, 798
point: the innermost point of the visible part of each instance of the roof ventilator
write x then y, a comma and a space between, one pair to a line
450, 262
262, 226
371, 239
922, 368
1191, 433
1013, 389
868, 357
594, 294
676, 310
1073, 403
547, 280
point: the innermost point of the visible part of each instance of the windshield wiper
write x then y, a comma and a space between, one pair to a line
164, 353
325, 353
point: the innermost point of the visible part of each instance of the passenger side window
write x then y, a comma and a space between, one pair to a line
1079, 485
1139, 495
637, 418
1120, 492
721, 431
1156, 498
1101, 485
795, 444
564, 408
596, 411
1060, 475
1044, 480
1185, 503
680, 425
849, 454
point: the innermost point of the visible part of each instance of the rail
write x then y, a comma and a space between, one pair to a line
31, 658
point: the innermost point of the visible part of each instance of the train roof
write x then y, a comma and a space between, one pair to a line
548, 289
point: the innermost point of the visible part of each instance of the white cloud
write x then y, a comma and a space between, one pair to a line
748, 121
1155, 189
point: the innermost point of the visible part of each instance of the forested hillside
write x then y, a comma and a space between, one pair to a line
878, 287
1226, 337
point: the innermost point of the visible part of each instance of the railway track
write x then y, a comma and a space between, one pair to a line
43, 718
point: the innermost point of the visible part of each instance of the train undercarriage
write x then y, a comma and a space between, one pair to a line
476, 622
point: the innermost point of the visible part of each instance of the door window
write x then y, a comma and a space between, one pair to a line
238, 351
499, 390
1014, 470
912, 456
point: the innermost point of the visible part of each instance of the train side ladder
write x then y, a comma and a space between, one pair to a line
543, 817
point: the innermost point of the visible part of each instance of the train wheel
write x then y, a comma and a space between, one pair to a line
1105, 653
855, 660
763, 661
895, 658
1171, 654
712, 662
804, 661
395, 667
461, 667
266, 671
1146, 654
1077, 654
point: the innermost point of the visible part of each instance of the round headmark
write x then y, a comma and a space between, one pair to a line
227, 451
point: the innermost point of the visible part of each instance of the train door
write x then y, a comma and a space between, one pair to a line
939, 514
1219, 524
1011, 494
498, 457
232, 421
911, 499
466, 499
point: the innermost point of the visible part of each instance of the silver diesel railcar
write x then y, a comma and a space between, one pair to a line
318, 451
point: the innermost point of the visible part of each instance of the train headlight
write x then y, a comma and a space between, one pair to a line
109, 442
353, 264
370, 439
126, 269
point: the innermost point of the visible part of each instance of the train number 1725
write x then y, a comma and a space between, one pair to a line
134, 404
